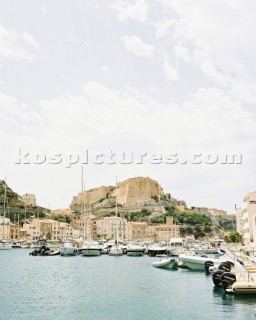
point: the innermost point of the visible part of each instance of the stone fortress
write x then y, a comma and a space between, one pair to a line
132, 192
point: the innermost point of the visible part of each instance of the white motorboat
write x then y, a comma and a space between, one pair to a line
5, 245
91, 248
115, 250
156, 248
198, 262
176, 246
68, 249
134, 248
165, 263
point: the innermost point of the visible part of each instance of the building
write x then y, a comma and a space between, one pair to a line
112, 228
163, 232
61, 212
86, 225
248, 219
136, 231
29, 199
217, 212
49, 229
5, 228
199, 210
239, 220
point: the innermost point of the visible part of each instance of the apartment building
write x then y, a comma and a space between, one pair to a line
249, 219
112, 227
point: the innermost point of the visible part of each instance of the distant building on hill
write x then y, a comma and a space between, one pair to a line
29, 199
217, 212
62, 212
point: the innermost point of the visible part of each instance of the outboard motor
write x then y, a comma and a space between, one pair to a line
227, 279
216, 278
231, 263
208, 264
226, 267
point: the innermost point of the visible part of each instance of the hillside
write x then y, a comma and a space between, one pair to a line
16, 207
143, 200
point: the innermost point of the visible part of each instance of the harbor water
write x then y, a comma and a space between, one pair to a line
110, 288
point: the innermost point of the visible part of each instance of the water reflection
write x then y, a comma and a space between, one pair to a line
230, 299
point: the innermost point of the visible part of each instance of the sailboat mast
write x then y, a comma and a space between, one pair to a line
4, 205
116, 215
84, 209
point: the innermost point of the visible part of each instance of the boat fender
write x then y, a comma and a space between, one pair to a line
208, 264
216, 278
240, 261
227, 279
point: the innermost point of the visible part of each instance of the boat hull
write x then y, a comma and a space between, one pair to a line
135, 253
90, 252
68, 251
196, 263
245, 287
165, 263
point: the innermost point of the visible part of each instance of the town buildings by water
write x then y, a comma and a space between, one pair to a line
246, 219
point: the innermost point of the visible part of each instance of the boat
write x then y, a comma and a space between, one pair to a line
198, 262
91, 248
44, 251
165, 263
134, 248
116, 250
156, 248
16, 245
240, 279
68, 249
4, 245
176, 246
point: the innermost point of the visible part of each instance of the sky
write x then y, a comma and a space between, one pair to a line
167, 84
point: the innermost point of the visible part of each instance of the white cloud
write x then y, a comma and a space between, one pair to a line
163, 27
222, 31
135, 45
170, 72
15, 45
30, 40
182, 53
132, 10
43, 10
105, 69
100, 119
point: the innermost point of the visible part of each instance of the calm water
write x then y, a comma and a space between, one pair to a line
110, 288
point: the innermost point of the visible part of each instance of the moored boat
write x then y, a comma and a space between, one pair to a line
198, 262
68, 249
91, 248
156, 248
135, 249
165, 263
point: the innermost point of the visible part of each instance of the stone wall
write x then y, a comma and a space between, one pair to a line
136, 191
131, 192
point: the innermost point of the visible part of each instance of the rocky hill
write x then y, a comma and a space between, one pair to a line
15, 207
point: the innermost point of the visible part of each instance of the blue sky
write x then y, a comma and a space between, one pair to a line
163, 76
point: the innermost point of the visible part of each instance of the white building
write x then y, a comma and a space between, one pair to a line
112, 227
239, 220
248, 219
